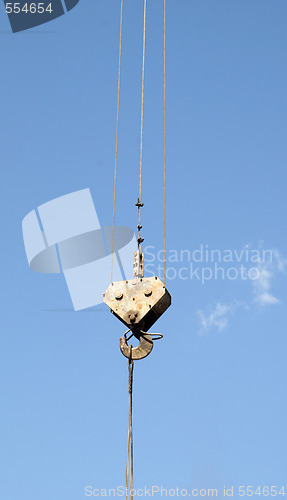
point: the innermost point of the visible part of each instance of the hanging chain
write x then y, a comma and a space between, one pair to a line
139, 203
130, 460
117, 135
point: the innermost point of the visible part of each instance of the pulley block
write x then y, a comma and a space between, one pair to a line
138, 303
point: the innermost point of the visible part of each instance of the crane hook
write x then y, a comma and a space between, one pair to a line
141, 351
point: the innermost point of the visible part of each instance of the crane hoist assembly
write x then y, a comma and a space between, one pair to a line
138, 302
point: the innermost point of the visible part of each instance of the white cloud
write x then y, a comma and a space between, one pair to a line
279, 261
218, 318
262, 284
266, 271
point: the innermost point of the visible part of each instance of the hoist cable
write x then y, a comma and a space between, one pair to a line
129, 466
130, 462
164, 139
139, 204
117, 135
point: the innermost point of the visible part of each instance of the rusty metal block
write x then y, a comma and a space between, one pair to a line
138, 303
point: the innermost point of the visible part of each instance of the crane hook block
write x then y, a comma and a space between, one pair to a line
138, 303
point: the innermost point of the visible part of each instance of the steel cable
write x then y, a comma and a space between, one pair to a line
117, 136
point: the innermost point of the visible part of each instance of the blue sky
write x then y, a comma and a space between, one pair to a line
209, 404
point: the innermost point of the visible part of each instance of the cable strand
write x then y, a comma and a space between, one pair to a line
130, 460
117, 136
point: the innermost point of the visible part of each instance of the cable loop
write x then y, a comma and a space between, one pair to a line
125, 334
154, 336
